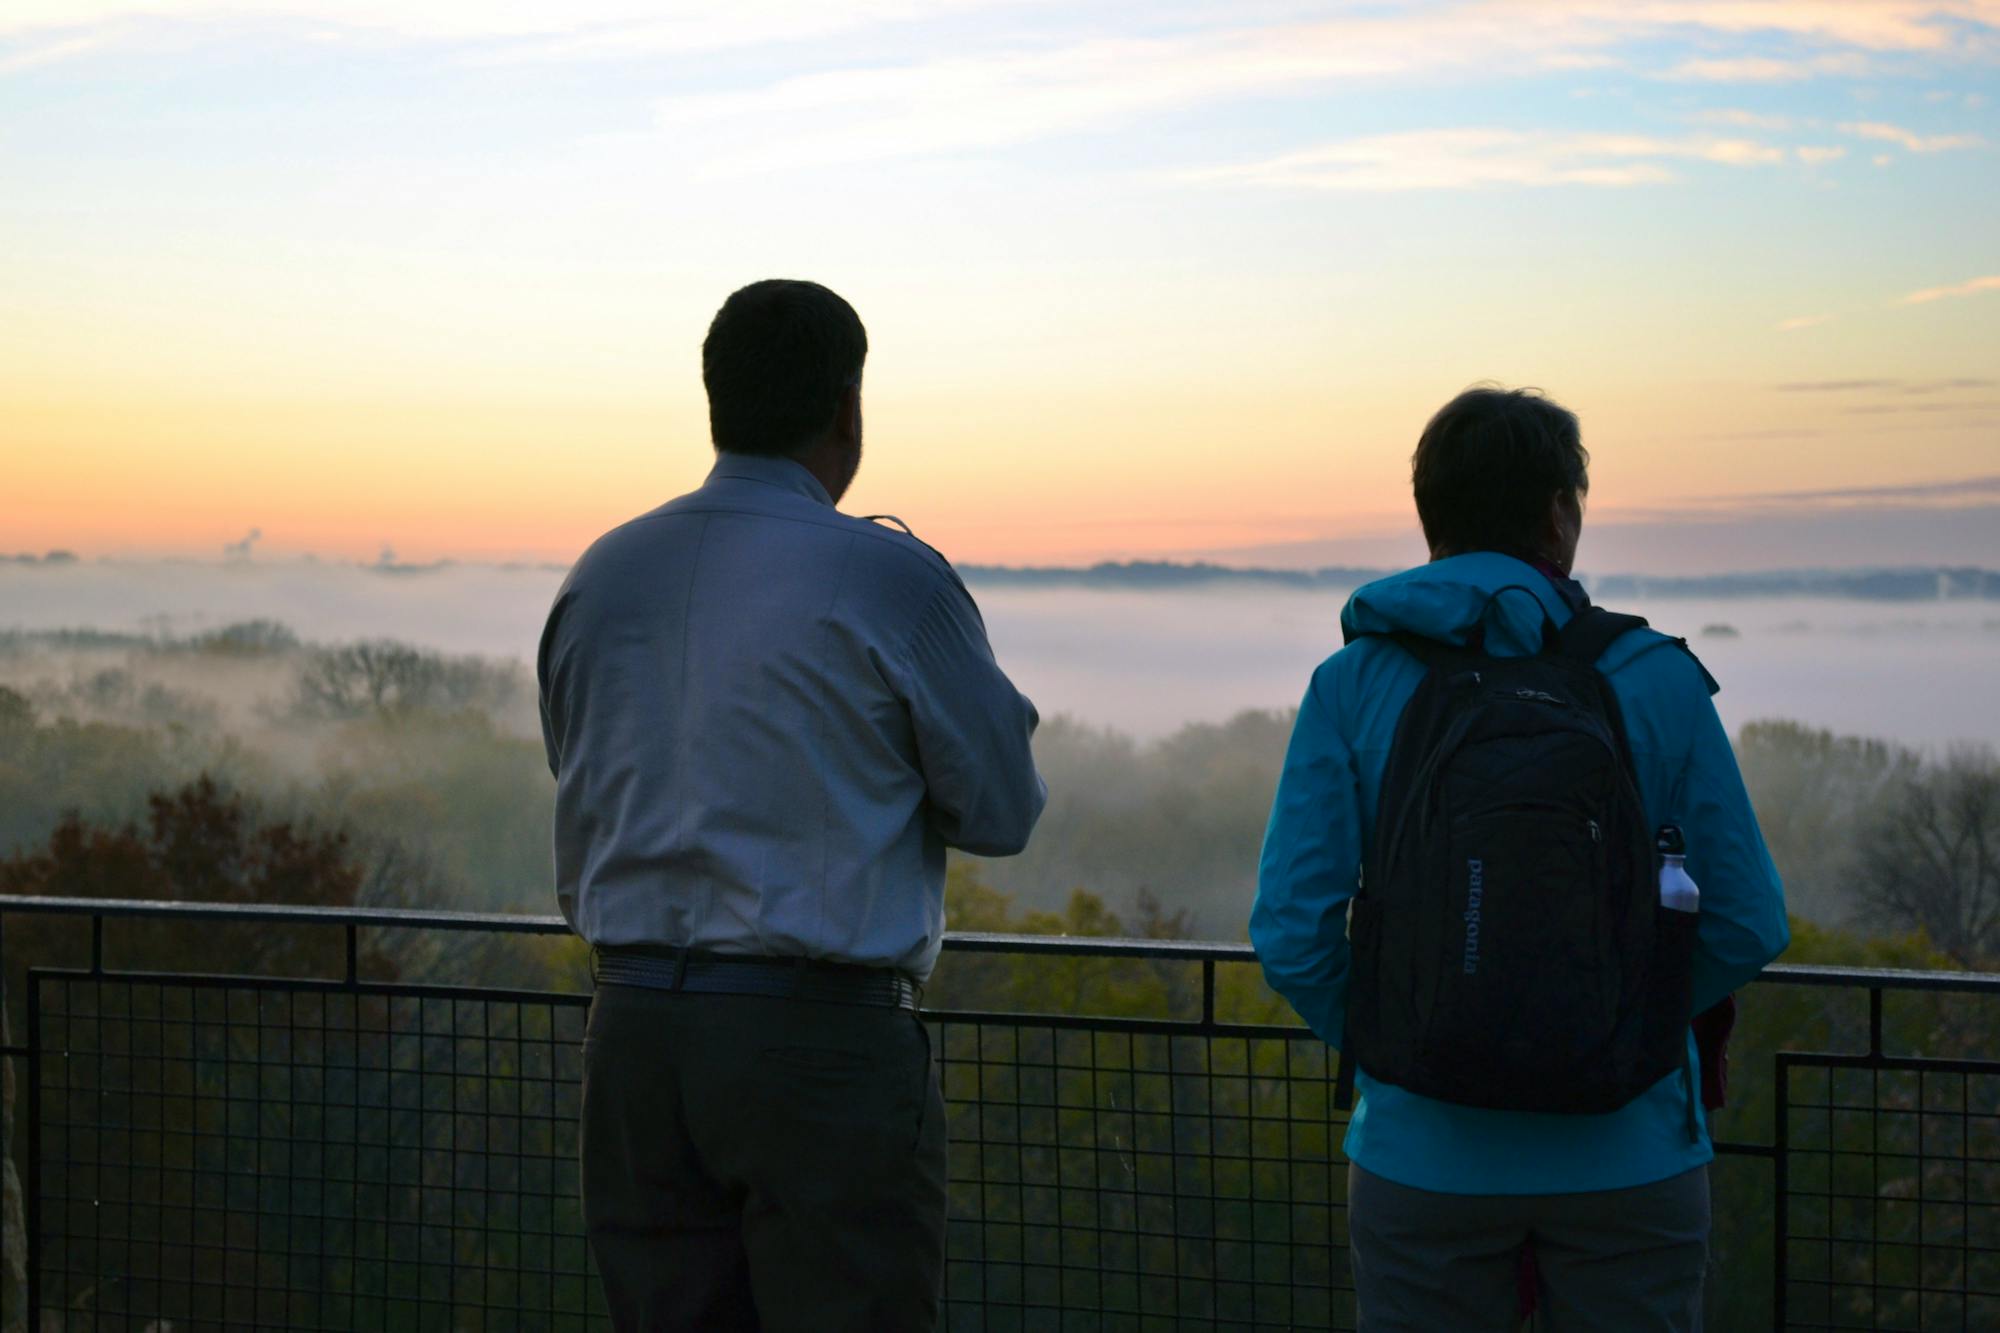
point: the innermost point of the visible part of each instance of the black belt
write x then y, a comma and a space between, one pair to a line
664, 968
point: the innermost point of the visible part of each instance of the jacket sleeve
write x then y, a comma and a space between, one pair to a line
1742, 925
1310, 868
972, 730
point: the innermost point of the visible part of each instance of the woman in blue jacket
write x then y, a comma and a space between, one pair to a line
1443, 1197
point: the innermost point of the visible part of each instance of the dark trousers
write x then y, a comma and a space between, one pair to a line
1628, 1259
762, 1164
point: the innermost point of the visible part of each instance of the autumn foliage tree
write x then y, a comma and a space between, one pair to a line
204, 842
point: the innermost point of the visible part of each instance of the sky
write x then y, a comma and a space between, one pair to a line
1153, 279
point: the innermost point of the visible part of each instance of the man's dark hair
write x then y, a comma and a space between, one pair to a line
1487, 466
776, 358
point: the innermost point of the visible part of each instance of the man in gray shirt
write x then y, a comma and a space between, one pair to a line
767, 722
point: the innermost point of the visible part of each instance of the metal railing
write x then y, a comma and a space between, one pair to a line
1138, 1139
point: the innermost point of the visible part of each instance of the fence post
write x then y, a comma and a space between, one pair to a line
1781, 1099
13, 1227
32, 1240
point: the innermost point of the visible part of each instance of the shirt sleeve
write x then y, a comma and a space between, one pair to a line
972, 730
1310, 868
1742, 925
545, 686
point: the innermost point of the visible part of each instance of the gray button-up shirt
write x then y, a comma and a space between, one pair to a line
767, 721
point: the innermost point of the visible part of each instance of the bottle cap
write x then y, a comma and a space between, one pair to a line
1669, 841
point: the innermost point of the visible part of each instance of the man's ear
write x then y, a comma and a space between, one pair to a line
847, 415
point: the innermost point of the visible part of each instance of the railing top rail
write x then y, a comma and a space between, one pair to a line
1887, 978
1099, 946
386, 917
1067, 946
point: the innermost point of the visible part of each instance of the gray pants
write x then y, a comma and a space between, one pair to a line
1630, 1259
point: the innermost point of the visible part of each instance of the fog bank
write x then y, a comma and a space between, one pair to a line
1141, 661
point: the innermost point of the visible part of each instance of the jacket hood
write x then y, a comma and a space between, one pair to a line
1446, 599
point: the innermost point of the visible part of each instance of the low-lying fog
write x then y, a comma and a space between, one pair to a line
1143, 662
1921, 673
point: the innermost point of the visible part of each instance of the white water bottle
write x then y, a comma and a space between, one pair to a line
1677, 891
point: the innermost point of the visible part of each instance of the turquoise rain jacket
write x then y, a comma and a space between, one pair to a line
1323, 822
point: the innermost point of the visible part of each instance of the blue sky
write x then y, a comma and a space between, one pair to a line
1141, 279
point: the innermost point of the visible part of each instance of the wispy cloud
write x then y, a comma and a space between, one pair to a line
1954, 489
1875, 25
482, 31
1745, 120
976, 102
1897, 385
1814, 154
1015, 96
1766, 69
1898, 409
982, 97
1471, 158
1970, 287
682, 24
1914, 142
1781, 433
30, 57
1575, 28
1003, 91
677, 29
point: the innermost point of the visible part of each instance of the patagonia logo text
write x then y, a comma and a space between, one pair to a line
1475, 891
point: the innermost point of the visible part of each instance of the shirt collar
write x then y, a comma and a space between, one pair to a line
783, 473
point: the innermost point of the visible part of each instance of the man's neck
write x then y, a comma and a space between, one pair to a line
829, 467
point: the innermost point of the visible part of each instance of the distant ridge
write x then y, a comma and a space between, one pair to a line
1901, 583
1923, 583
1919, 584
1160, 574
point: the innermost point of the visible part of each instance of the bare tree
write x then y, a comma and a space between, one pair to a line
382, 676
1931, 857
359, 678
1816, 793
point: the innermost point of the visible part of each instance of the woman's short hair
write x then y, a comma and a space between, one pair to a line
775, 361
1487, 466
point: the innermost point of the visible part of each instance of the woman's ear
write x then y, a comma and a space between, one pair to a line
1565, 529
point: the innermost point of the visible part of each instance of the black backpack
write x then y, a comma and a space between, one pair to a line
1509, 947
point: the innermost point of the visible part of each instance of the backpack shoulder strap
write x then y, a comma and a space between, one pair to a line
1591, 631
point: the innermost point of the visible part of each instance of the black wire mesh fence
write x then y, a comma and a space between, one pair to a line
216, 1154
229, 1153
1134, 1179
254, 1151
1892, 1172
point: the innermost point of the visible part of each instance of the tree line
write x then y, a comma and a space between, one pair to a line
379, 774
432, 764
